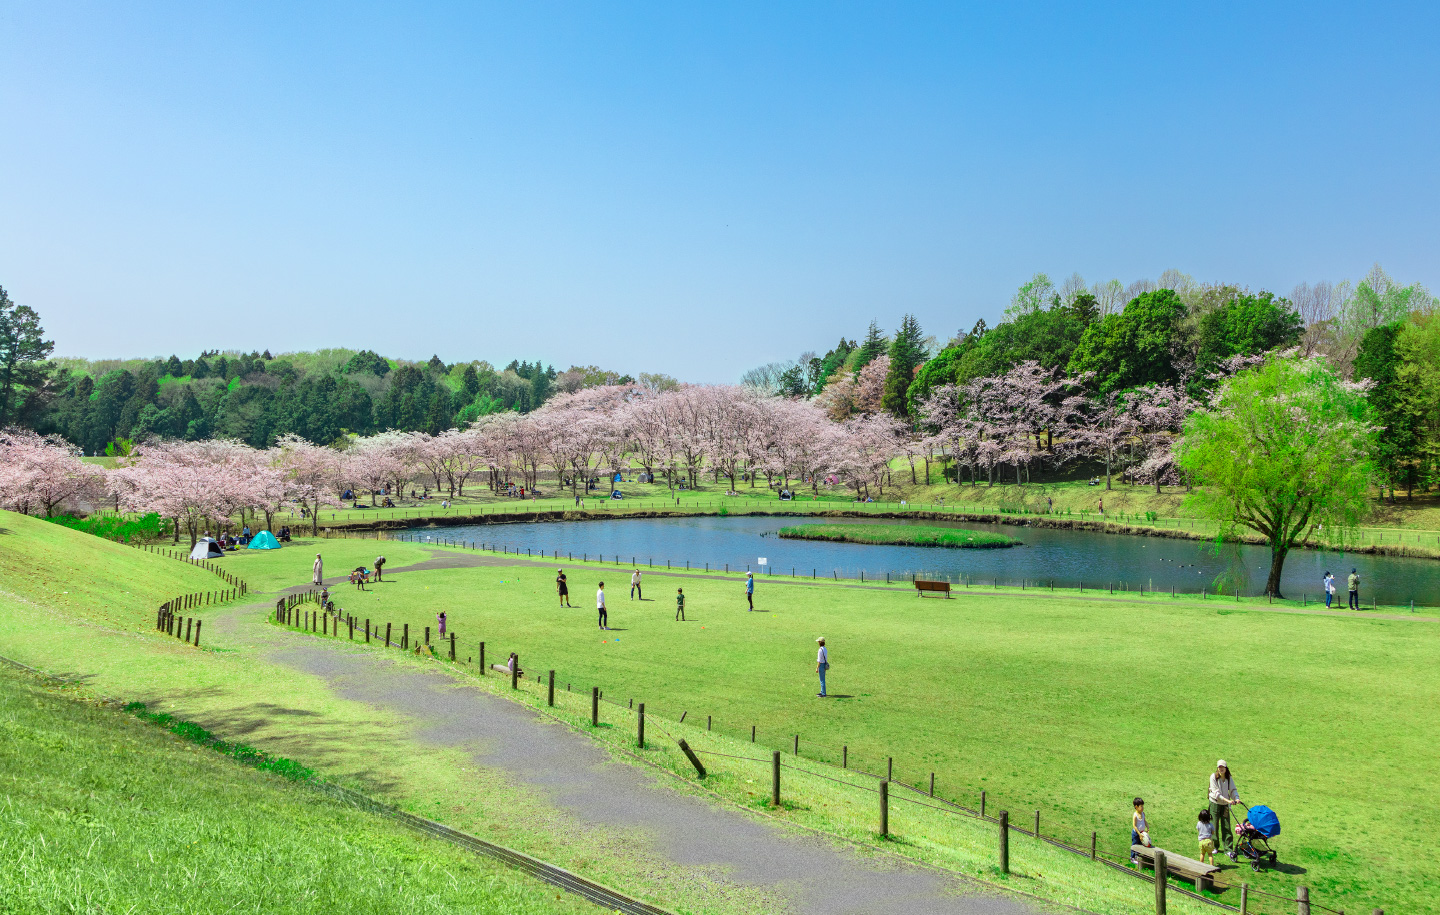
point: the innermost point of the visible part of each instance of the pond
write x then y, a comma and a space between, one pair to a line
1064, 557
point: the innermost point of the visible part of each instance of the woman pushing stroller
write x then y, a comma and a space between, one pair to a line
1222, 795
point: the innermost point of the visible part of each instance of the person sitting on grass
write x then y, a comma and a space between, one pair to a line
1206, 830
512, 665
1139, 830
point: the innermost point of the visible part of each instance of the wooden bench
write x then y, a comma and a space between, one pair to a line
1201, 873
922, 586
505, 669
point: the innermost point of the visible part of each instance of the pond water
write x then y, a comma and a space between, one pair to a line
1064, 557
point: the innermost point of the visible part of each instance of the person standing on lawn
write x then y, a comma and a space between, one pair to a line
1328, 586
600, 606
562, 587
635, 585
822, 664
1222, 795
679, 605
1354, 590
440, 620
750, 589
319, 570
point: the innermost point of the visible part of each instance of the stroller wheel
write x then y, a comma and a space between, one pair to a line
1274, 857
1255, 866
1234, 856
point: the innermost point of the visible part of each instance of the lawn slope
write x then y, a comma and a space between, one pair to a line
102, 812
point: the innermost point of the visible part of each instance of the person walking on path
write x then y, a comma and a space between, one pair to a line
1354, 590
750, 589
379, 568
440, 620
562, 587
319, 570
680, 605
822, 664
1222, 795
1328, 586
600, 606
635, 585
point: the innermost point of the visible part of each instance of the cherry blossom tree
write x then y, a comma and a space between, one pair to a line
314, 473
45, 472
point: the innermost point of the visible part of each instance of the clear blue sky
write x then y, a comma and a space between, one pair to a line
680, 188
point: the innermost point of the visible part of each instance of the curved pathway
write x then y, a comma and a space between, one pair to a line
814, 874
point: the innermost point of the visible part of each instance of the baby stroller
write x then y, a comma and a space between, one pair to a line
1253, 834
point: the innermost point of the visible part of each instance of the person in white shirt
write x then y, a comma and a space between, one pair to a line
319, 570
822, 664
1329, 587
600, 606
1222, 795
635, 585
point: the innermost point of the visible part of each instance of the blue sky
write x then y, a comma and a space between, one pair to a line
684, 188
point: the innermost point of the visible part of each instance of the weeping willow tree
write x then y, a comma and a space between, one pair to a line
1282, 450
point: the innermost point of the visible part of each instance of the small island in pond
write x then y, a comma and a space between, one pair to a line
899, 535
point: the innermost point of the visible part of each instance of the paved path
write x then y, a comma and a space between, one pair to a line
815, 874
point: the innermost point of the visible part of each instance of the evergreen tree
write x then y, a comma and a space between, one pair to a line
874, 345
23, 350
907, 353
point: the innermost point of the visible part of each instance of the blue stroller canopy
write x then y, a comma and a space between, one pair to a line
1265, 821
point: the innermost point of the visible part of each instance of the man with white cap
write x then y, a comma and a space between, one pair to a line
822, 664
1222, 795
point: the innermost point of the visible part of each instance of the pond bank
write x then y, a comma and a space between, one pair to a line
1047, 522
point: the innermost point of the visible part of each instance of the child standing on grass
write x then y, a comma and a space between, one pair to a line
600, 606
1139, 829
440, 619
680, 605
1206, 829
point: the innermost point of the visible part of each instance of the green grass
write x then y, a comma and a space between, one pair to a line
899, 534
91, 578
1065, 705
103, 812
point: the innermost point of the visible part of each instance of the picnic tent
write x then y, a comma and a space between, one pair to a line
264, 541
207, 548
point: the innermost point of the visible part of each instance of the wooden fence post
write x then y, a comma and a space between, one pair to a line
1302, 899
188, 623
845, 756
550, 691
1037, 824
640, 737
1092, 845
1245, 896
775, 779
405, 637
515, 673
1162, 874
695, 760
387, 635
1004, 842
367, 630
198, 624
452, 646
884, 808
594, 706
982, 805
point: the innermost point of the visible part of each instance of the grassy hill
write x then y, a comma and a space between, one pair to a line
90, 578
103, 812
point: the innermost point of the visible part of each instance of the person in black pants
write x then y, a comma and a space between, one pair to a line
600, 606
1354, 590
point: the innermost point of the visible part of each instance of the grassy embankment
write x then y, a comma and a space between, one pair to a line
899, 535
1066, 704
101, 811
236, 692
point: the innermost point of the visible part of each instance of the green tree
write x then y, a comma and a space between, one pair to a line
1135, 347
470, 382
872, 346
366, 361
1378, 363
1247, 325
907, 353
1284, 448
1418, 347
23, 351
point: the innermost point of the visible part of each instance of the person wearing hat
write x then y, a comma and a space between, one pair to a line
1222, 795
822, 664
1354, 590
750, 589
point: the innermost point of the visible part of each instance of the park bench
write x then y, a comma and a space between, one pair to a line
922, 586
504, 669
1201, 873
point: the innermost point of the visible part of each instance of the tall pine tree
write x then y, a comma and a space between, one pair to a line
907, 353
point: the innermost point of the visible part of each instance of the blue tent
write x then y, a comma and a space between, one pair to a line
264, 541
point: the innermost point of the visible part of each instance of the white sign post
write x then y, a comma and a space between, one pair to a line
762, 560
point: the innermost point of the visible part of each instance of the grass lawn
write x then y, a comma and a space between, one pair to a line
90, 578
1065, 705
101, 812
899, 534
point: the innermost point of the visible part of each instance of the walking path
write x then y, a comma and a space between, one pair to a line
814, 874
